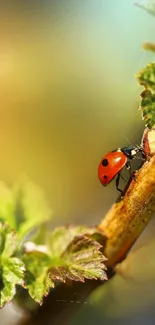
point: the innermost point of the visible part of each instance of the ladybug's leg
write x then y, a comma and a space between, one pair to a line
128, 166
122, 177
144, 155
117, 183
132, 174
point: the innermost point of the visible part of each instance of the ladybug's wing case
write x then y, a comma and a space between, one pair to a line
111, 164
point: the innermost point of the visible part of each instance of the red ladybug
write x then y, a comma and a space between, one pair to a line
113, 162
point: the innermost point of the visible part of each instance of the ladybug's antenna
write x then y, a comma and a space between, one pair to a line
128, 141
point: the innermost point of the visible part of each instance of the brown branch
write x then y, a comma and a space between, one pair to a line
127, 219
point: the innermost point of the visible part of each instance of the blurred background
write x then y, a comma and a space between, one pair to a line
68, 95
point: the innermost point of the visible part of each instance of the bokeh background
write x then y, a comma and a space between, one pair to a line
68, 95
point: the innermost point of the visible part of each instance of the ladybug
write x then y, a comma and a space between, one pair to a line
114, 161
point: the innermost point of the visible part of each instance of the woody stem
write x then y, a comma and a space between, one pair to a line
126, 220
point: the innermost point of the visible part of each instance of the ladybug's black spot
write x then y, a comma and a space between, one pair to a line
105, 177
105, 162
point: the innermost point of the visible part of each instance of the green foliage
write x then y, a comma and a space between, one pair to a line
23, 207
146, 77
61, 237
148, 5
11, 268
81, 260
37, 281
72, 253
31, 208
71, 256
148, 108
7, 212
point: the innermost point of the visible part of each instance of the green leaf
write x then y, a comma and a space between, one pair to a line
8, 240
70, 257
147, 107
11, 274
37, 281
24, 207
81, 260
148, 5
11, 268
6, 205
32, 209
58, 241
146, 77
